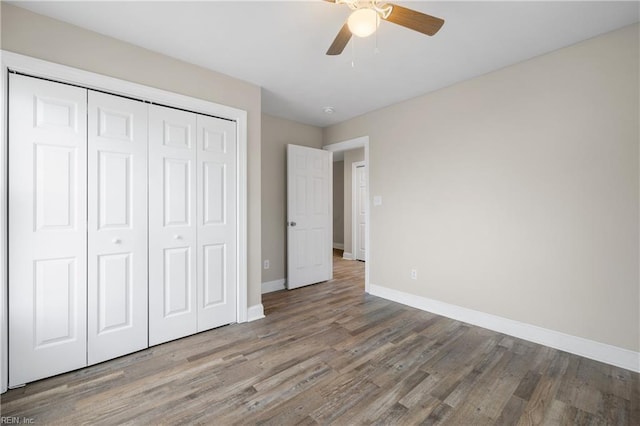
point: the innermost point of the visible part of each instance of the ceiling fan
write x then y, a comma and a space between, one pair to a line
366, 16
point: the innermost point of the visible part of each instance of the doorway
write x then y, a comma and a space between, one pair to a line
341, 150
358, 209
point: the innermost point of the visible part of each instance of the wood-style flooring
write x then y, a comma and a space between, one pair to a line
329, 353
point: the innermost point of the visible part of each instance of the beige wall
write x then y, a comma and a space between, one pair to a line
34, 35
338, 202
276, 134
350, 157
517, 193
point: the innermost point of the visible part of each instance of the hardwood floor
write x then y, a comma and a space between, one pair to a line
331, 354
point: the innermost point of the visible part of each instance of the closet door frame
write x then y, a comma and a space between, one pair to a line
64, 74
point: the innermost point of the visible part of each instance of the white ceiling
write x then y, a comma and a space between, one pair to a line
281, 46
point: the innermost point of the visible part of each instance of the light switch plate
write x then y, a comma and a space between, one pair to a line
377, 200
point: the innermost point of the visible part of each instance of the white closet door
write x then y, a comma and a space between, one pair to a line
48, 234
216, 239
117, 226
172, 224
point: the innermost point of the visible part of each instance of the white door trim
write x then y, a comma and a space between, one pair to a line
354, 207
40, 68
360, 142
4, 194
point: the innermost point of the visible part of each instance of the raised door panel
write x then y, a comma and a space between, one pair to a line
115, 298
177, 198
214, 193
216, 218
47, 238
214, 274
115, 187
55, 291
55, 179
117, 226
177, 285
172, 224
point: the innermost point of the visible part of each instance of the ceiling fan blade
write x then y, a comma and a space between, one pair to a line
414, 20
340, 41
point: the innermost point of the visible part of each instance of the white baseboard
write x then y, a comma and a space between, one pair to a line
347, 256
338, 246
602, 352
255, 312
276, 285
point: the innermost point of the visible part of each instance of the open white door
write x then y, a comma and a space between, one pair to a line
309, 216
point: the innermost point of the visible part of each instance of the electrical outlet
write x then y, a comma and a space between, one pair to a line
266, 264
414, 274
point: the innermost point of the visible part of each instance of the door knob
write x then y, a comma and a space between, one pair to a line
292, 223
116, 241
177, 237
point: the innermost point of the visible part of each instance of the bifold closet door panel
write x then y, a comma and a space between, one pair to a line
216, 222
172, 224
47, 232
117, 226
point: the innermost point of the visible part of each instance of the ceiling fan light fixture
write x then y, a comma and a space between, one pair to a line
363, 22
